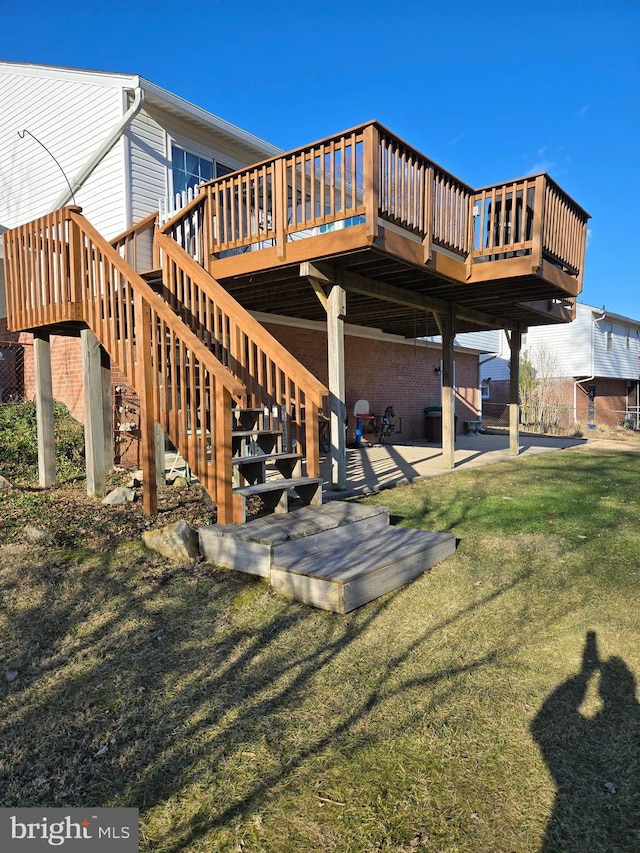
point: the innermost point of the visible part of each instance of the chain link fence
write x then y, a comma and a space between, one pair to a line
539, 416
11, 373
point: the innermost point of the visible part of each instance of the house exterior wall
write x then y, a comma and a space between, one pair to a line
71, 116
616, 348
386, 372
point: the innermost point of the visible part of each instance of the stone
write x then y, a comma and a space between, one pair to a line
35, 535
177, 542
5, 485
120, 495
180, 482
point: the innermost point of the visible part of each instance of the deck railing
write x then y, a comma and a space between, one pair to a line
368, 176
269, 373
530, 216
136, 246
61, 269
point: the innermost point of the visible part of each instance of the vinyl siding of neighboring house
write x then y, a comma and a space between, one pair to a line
594, 351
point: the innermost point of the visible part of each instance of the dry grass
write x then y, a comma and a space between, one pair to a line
439, 718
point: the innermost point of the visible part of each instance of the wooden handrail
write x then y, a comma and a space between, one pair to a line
61, 269
128, 243
270, 374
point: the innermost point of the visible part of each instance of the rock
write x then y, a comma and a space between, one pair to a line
5, 485
134, 483
180, 482
35, 535
177, 542
121, 495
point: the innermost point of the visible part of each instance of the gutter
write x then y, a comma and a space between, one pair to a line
103, 150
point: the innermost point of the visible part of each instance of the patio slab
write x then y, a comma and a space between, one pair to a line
372, 468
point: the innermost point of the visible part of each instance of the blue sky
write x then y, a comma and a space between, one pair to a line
490, 90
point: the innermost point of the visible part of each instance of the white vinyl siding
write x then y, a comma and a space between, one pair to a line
148, 165
71, 119
612, 356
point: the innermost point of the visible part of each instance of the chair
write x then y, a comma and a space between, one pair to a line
361, 413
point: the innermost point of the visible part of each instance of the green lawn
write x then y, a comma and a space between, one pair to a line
443, 717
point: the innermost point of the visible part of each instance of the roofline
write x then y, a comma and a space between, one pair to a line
132, 81
609, 314
209, 118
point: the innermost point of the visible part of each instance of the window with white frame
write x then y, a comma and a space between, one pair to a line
189, 169
610, 338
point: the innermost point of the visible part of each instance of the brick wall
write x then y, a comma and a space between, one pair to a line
382, 372
386, 373
609, 402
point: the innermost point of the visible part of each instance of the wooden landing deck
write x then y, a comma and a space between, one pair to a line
336, 557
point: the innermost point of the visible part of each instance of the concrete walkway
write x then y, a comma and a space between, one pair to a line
372, 468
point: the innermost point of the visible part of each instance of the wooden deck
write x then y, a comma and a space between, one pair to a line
416, 250
399, 233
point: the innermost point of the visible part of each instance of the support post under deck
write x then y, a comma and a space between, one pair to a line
44, 410
515, 342
448, 392
336, 311
94, 416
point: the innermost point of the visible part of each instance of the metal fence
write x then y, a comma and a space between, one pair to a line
539, 416
11, 372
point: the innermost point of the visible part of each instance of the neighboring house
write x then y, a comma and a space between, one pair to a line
589, 370
120, 147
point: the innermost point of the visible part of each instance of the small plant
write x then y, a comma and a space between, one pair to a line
19, 441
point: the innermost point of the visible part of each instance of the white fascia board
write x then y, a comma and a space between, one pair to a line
165, 98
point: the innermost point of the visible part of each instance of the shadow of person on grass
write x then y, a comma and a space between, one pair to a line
595, 762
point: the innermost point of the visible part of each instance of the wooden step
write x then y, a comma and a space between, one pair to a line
337, 557
253, 469
255, 546
341, 580
275, 493
245, 442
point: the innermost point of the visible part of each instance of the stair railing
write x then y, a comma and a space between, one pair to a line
270, 374
136, 244
61, 269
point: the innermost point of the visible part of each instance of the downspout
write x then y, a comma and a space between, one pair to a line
588, 378
103, 150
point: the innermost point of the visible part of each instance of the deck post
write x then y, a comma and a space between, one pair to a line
448, 391
336, 312
144, 382
158, 432
44, 410
515, 342
94, 416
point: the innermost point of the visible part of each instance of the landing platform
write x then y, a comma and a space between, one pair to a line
337, 557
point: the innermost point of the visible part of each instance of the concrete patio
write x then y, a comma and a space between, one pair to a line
374, 467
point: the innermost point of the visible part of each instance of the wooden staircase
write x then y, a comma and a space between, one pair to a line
263, 467
203, 368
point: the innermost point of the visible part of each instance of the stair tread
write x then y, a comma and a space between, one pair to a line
263, 457
242, 433
274, 485
300, 523
337, 563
